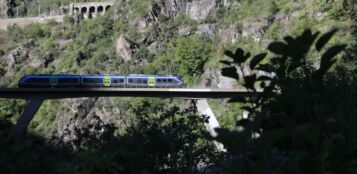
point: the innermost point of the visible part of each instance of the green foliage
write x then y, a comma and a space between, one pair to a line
186, 56
302, 121
33, 31
164, 139
140, 8
337, 12
191, 54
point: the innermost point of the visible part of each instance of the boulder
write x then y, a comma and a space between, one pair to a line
172, 8
256, 29
10, 69
199, 10
214, 79
125, 48
154, 48
230, 34
208, 30
3, 8
184, 31
139, 25
79, 123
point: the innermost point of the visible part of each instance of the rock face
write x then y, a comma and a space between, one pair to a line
3, 8
174, 7
214, 79
125, 48
257, 28
139, 25
88, 119
208, 30
199, 10
230, 34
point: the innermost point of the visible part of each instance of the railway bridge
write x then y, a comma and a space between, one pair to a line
36, 96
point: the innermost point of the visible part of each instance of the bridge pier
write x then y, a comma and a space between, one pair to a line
204, 109
25, 118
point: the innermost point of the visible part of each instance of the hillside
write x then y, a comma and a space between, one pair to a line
150, 37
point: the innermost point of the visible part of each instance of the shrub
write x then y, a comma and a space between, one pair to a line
304, 118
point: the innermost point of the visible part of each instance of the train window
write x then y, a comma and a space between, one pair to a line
130, 80
121, 80
138, 81
67, 80
159, 80
85, 80
115, 80
145, 81
170, 80
164, 80
38, 80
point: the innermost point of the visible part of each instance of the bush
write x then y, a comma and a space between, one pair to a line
191, 53
33, 31
304, 119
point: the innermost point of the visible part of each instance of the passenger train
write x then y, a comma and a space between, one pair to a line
87, 81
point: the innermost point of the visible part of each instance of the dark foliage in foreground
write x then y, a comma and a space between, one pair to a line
163, 140
304, 120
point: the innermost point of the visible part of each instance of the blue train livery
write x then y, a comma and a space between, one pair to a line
117, 81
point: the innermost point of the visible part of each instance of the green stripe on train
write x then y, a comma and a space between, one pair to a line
106, 81
151, 81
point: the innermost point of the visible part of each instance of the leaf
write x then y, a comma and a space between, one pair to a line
324, 39
226, 62
327, 61
257, 59
229, 54
289, 39
263, 77
278, 48
249, 81
266, 68
239, 99
238, 56
242, 122
269, 139
246, 56
308, 38
239, 52
230, 72
329, 54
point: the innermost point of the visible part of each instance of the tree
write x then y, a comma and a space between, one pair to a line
191, 54
303, 121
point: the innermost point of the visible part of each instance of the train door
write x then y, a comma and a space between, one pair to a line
152, 82
53, 81
106, 81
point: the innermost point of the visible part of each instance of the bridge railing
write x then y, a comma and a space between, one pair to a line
39, 12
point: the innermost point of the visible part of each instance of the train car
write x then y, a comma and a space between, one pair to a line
87, 81
168, 82
103, 81
47, 81
156, 81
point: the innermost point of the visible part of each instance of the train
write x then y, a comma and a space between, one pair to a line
88, 81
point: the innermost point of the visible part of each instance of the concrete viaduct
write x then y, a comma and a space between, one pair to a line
36, 96
90, 9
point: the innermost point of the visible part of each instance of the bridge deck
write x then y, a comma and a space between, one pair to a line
58, 93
